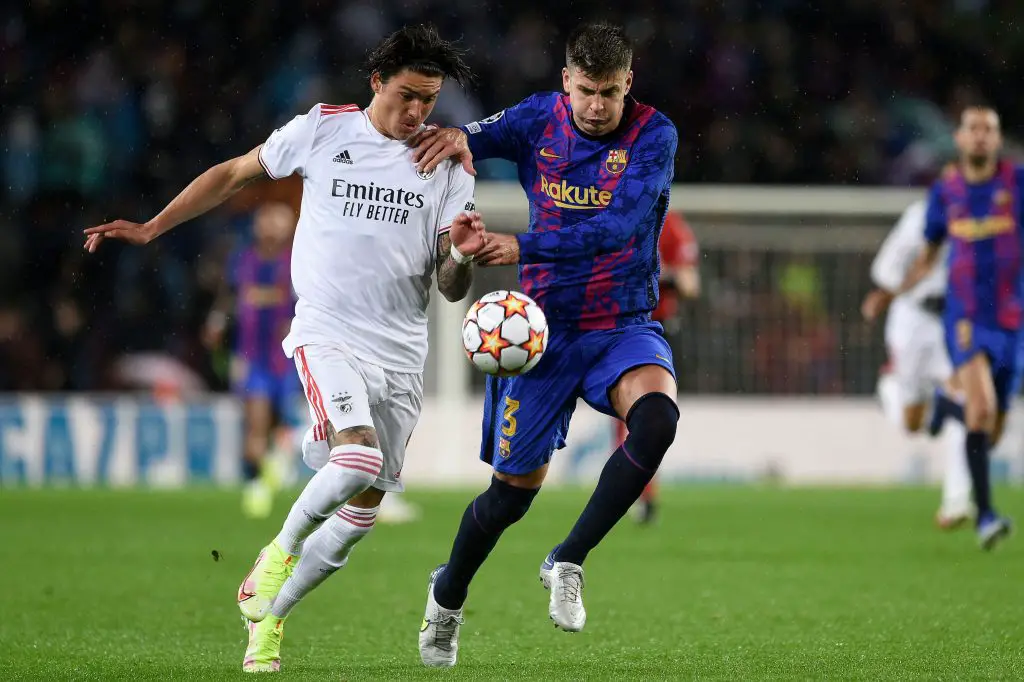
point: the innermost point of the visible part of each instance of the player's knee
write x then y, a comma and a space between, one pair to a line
652, 428
358, 463
980, 416
913, 418
501, 505
354, 435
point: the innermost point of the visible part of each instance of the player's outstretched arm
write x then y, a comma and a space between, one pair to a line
935, 233
209, 190
921, 267
455, 251
875, 303
434, 145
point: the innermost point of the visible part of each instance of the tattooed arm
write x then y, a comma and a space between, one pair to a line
453, 279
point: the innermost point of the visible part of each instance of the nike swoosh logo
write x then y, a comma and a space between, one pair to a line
424, 625
548, 154
660, 358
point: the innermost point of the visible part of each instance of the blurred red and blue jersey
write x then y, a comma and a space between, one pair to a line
983, 225
597, 206
264, 309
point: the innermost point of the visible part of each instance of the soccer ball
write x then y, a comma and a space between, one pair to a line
505, 333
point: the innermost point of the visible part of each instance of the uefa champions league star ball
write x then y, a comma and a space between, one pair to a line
505, 333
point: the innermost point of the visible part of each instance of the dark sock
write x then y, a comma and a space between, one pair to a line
953, 409
977, 463
652, 428
483, 522
943, 407
250, 470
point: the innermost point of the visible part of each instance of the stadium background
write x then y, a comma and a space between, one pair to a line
804, 132
805, 129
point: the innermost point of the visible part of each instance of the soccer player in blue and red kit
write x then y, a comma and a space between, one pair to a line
597, 167
259, 279
976, 206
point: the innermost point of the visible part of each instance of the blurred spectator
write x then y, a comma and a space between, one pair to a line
111, 107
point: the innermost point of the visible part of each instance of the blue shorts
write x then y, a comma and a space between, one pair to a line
526, 418
965, 339
280, 389
1018, 379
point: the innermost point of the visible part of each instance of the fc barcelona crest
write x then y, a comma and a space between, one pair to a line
964, 334
617, 160
1002, 197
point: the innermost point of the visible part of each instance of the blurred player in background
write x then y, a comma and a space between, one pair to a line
258, 300
597, 167
976, 207
372, 230
680, 278
918, 364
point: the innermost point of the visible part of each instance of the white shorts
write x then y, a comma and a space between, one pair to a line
349, 392
916, 342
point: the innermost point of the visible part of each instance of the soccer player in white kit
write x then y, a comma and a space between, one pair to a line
919, 363
372, 231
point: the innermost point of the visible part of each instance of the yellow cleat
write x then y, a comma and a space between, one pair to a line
258, 590
257, 500
263, 655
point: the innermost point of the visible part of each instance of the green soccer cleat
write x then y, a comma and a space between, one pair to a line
257, 592
263, 655
257, 499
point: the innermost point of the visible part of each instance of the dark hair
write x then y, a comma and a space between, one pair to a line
421, 49
599, 49
977, 104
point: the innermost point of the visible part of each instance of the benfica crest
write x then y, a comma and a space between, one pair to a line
617, 160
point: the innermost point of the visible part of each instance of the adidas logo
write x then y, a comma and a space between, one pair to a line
343, 157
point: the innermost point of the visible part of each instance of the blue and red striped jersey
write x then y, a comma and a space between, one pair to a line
983, 223
597, 205
264, 306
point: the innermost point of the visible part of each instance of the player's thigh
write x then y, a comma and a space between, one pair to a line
338, 394
285, 400
259, 414
395, 419
975, 376
634, 361
526, 418
910, 363
913, 386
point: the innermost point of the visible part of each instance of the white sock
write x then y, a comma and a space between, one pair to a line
956, 478
325, 552
350, 470
889, 395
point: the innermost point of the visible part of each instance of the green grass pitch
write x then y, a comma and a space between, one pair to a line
733, 583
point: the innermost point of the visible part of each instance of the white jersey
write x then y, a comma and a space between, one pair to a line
364, 250
899, 251
914, 337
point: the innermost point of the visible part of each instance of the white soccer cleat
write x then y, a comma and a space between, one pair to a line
565, 581
954, 515
439, 632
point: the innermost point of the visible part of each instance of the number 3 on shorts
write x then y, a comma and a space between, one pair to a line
511, 407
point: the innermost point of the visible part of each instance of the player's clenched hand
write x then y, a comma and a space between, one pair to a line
875, 304
133, 233
499, 249
468, 233
434, 145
